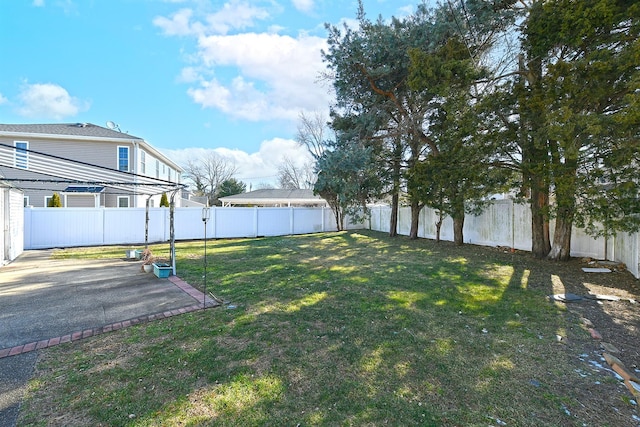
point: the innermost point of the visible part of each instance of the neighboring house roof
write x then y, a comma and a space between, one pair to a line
80, 131
67, 129
274, 197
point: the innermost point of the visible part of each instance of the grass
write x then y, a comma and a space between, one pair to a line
349, 328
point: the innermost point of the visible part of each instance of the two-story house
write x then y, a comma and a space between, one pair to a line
86, 164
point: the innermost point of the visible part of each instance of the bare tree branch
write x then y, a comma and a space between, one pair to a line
311, 131
292, 177
207, 173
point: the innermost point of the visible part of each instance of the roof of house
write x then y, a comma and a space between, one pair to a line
80, 131
75, 129
274, 196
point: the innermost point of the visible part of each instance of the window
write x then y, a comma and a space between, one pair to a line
143, 162
157, 168
21, 155
123, 159
47, 199
170, 173
25, 201
123, 201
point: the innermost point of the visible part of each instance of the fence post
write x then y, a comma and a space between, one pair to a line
513, 225
637, 254
291, 220
213, 216
255, 221
104, 224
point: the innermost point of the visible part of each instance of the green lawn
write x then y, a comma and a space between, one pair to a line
349, 328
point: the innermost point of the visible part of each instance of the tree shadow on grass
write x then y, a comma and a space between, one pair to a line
347, 328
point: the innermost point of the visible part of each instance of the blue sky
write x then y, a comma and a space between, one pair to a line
188, 76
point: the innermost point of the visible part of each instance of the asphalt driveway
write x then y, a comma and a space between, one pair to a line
45, 302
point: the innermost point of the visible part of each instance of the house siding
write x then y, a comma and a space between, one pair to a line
92, 152
81, 201
100, 151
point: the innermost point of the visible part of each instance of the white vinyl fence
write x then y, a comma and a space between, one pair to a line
502, 223
46, 228
506, 223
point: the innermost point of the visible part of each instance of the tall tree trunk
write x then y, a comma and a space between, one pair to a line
561, 249
335, 208
439, 226
565, 191
458, 220
540, 242
415, 219
535, 156
458, 225
393, 222
396, 167
336, 214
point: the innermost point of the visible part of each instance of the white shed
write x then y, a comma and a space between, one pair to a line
11, 223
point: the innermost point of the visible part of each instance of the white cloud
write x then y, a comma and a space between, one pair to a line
38, 3
276, 75
253, 168
189, 75
48, 100
305, 6
256, 76
179, 24
234, 15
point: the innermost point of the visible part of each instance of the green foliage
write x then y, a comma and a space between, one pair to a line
392, 78
347, 180
456, 174
164, 200
589, 50
231, 187
54, 201
375, 106
568, 117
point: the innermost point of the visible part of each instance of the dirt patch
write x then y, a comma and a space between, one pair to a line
609, 304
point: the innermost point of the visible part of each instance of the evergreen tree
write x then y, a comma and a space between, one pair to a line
589, 52
164, 200
54, 201
231, 187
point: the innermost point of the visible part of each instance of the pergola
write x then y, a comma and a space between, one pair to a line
49, 168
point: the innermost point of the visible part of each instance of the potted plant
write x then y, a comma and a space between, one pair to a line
147, 260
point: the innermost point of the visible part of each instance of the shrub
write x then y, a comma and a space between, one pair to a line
54, 201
